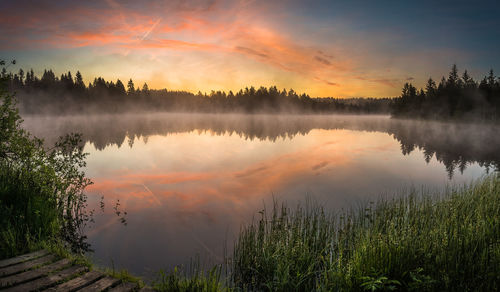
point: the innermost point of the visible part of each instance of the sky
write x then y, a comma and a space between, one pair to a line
319, 47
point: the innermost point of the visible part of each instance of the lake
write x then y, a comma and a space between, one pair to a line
188, 182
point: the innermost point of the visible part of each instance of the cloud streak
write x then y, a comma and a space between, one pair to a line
183, 26
265, 42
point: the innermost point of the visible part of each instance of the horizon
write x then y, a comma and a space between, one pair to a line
234, 145
139, 87
340, 49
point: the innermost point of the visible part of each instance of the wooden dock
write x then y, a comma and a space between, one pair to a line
43, 271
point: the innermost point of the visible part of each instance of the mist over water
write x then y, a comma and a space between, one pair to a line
189, 181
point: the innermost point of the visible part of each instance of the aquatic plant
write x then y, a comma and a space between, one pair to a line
417, 242
413, 242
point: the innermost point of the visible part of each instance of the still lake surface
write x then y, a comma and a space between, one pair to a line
188, 182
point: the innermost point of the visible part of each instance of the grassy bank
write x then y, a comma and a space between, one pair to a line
42, 200
416, 242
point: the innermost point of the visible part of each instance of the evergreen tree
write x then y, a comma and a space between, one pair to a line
453, 98
21, 76
130, 87
430, 88
468, 81
491, 79
120, 87
145, 88
79, 81
453, 77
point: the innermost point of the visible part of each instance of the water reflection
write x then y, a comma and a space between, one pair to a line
188, 182
454, 145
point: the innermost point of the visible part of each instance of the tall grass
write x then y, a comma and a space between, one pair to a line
193, 280
41, 190
415, 242
28, 215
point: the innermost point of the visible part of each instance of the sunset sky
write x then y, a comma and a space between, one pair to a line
323, 48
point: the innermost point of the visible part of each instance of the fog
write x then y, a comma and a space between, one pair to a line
453, 144
188, 182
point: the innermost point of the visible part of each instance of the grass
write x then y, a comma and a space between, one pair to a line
180, 280
41, 190
416, 242
42, 199
28, 215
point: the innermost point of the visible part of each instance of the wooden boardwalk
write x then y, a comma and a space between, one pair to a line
43, 271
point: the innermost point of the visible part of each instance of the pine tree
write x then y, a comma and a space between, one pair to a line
468, 82
130, 87
120, 87
430, 88
145, 88
453, 77
491, 79
21, 76
79, 81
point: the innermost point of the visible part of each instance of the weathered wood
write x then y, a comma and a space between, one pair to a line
49, 280
37, 271
23, 258
102, 284
124, 287
17, 268
33, 274
77, 283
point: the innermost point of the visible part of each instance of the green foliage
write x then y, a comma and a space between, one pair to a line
416, 242
59, 248
124, 275
197, 281
41, 190
378, 283
419, 281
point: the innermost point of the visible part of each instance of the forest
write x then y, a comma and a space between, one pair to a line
49, 94
454, 98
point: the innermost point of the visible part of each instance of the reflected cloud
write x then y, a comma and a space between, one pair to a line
320, 165
189, 182
454, 145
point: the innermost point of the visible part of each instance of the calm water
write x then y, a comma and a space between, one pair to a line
189, 182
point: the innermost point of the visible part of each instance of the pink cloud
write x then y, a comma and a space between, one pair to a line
235, 187
238, 30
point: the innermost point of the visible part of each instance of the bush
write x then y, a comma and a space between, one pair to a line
41, 190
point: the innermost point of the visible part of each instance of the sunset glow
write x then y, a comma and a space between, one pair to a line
322, 49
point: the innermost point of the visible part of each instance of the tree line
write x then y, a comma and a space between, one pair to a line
455, 97
50, 94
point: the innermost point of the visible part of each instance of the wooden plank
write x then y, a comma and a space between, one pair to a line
48, 281
33, 274
10, 270
124, 287
102, 284
78, 283
23, 258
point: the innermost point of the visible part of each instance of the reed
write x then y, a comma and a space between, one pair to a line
415, 242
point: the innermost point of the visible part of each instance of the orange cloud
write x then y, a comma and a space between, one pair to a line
236, 32
191, 189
